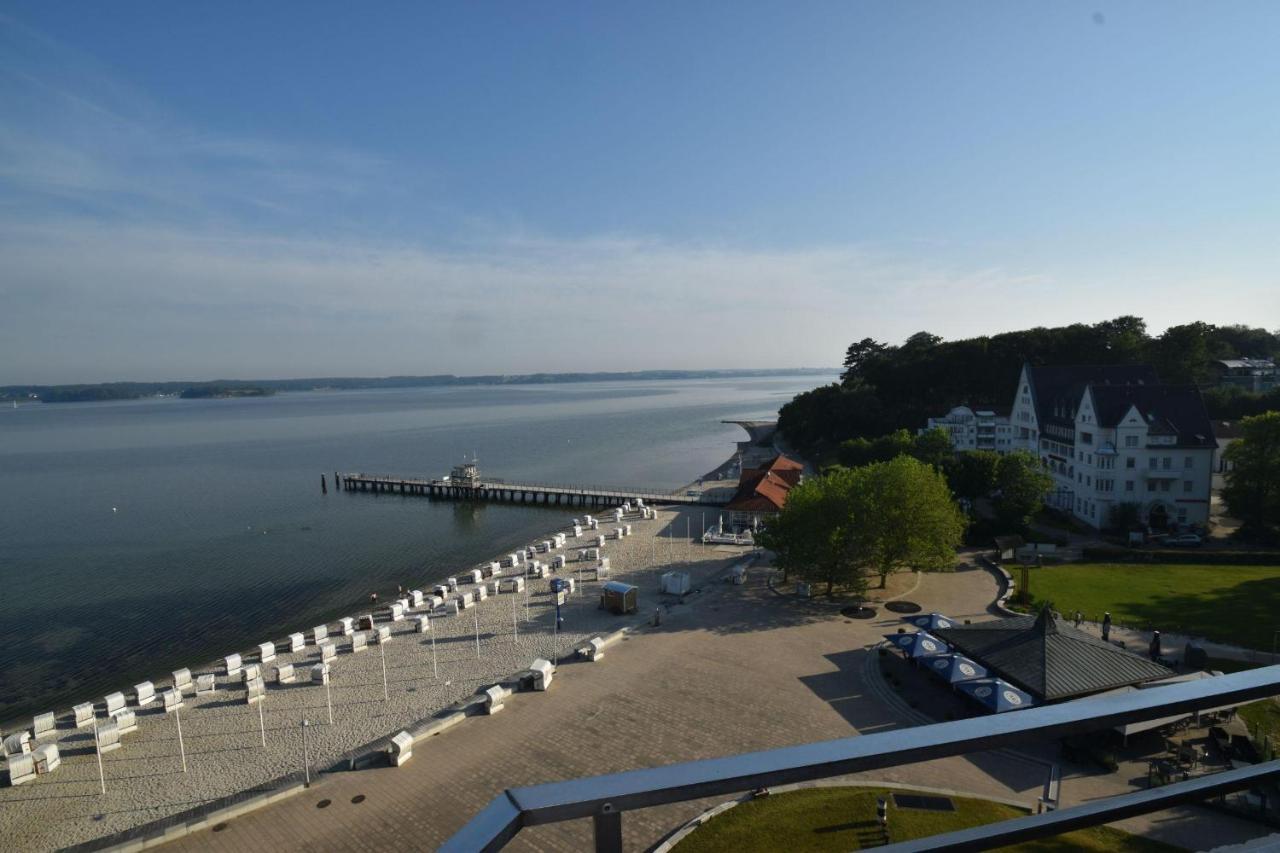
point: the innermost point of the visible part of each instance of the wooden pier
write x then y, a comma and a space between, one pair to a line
475, 489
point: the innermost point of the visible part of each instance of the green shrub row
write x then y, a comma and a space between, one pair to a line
1180, 556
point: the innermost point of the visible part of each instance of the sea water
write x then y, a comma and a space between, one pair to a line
138, 537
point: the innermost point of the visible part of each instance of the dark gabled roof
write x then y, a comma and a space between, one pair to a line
1176, 410
1056, 389
1048, 658
1226, 429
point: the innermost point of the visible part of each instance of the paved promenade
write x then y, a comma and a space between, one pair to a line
740, 669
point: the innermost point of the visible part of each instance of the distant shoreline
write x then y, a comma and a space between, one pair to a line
112, 391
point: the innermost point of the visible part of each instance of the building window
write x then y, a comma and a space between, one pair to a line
1166, 462
1152, 463
1186, 487
1130, 441
1086, 438
1128, 485
1151, 485
1188, 462
1130, 462
1164, 485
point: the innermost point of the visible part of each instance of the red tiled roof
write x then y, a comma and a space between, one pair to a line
765, 489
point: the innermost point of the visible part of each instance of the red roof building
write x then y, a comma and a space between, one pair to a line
763, 491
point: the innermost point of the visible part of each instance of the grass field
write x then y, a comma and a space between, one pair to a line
821, 819
1230, 604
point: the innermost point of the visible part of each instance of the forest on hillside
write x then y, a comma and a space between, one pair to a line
886, 387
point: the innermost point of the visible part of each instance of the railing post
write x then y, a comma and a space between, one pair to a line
608, 828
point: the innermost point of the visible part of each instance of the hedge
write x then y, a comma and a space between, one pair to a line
1178, 555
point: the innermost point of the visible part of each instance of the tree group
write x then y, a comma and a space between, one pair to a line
851, 524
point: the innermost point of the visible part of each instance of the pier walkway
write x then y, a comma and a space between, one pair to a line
490, 489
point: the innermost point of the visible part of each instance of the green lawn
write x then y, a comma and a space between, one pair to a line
814, 819
1231, 604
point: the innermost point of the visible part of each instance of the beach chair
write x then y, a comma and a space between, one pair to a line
320, 673
22, 769
542, 673
46, 758
297, 642
401, 748
347, 626
255, 691
84, 714
266, 652
182, 680
115, 703
319, 634
359, 642
144, 693
382, 634
233, 663
493, 698
44, 725
18, 743
172, 700
126, 721
284, 673
328, 652
206, 684
108, 737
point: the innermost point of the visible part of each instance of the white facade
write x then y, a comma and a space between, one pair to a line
1136, 458
1133, 462
975, 430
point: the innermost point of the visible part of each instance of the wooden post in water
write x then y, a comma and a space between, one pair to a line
324, 489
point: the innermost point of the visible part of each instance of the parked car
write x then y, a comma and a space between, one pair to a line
1183, 540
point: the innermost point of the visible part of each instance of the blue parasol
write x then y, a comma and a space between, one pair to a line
918, 645
996, 694
930, 621
956, 668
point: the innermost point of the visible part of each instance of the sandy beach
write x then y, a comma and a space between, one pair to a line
221, 732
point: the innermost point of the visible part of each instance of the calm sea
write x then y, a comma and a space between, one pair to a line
142, 536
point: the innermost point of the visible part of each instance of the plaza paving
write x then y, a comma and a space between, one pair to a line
739, 669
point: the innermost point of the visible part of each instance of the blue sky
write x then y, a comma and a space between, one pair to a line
204, 190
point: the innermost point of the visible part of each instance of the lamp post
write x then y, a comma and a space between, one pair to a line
97, 748
182, 750
306, 758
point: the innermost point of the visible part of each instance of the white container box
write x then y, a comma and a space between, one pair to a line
542, 673
401, 748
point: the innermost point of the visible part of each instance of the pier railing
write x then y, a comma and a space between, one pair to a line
611, 491
605, 799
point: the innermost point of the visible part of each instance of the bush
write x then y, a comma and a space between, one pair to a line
1194, 556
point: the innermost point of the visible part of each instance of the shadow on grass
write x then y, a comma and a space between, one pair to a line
1247, 614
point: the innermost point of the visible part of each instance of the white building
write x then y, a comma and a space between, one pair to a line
975, 430
1114, 434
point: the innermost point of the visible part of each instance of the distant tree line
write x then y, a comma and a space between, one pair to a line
136, 390
886, 388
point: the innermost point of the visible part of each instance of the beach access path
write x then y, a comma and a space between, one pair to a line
738, 668
223, 735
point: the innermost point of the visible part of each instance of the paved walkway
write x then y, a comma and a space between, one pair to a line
743, 669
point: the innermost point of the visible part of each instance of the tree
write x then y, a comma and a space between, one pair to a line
934, 447
1252, 491
973, 475
905, 518
1125, 516
856, 359
1023, 483
811, 537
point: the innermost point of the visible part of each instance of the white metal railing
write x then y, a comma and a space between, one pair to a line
605, 798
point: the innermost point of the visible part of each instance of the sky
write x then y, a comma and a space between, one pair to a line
198, 191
